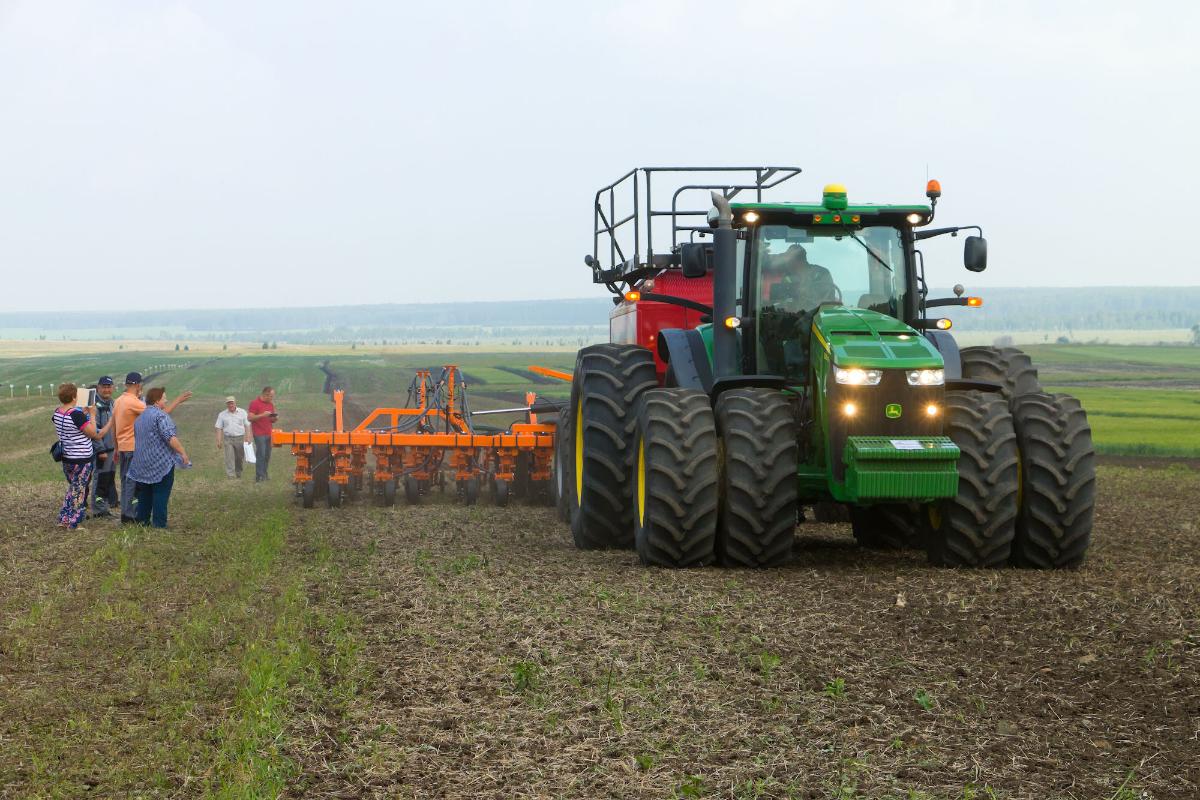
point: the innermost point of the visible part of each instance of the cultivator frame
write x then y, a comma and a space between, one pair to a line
418, 447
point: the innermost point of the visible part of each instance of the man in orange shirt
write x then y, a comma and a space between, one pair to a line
127, 408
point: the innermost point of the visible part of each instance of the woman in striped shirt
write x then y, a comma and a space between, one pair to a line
76, 431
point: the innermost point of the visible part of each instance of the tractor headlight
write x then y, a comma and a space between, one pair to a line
857, 377
926, 377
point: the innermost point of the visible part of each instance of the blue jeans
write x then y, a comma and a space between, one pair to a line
128, 487
262, 457
152, 499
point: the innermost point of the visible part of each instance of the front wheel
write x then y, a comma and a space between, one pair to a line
675, 484
757, 428
1058, 482
975, 528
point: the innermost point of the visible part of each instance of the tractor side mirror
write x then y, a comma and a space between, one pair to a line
975, 254
696, 259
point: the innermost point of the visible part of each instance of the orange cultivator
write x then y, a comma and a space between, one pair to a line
419, 445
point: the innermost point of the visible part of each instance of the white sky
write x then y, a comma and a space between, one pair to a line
228, 154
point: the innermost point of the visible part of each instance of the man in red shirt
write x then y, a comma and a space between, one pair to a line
262, 415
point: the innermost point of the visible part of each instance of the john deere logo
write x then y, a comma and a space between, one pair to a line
892, 411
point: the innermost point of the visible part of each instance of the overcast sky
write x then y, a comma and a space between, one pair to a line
232, 154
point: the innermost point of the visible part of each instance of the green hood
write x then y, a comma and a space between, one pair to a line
856, 337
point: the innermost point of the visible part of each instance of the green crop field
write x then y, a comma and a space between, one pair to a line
1141, 401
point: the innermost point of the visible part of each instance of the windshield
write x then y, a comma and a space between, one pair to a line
797, 270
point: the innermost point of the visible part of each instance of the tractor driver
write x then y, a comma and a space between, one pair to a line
794, 289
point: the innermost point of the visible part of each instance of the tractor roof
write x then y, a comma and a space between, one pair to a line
834, 201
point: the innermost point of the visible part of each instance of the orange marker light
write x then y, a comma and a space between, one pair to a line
633, 296
733, 322
975, 302
817, 217
856, 218
837, 217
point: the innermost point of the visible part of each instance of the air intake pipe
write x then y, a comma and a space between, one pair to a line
725, 358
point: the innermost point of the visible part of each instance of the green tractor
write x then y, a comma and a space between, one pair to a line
778, 356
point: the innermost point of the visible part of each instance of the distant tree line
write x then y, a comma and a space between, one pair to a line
1055, 309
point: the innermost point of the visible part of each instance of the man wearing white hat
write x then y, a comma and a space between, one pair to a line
232, 427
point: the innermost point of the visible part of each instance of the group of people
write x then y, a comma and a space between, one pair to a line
130, 437
134, 439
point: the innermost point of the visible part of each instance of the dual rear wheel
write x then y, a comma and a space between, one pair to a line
663, 471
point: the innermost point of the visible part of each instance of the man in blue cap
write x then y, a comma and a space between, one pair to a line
104, 476
127, 408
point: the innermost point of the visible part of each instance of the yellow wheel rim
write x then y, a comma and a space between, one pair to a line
579, 452
641, 483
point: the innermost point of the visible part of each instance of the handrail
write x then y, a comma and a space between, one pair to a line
606, 223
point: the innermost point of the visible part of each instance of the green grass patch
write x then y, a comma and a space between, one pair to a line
1140, 421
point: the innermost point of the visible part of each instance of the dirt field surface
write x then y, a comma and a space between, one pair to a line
507, 664
259, 650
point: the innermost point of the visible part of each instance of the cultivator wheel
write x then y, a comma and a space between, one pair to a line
888, 526
501, 492
412, 490
308, 494
562, 476
467, 490
321, 463
389, 492
676, 502
1008, 366
609, 380
521, 484
976, 527
758, 481
335, 494
1058, 481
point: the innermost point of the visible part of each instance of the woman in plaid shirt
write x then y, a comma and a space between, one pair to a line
158, 452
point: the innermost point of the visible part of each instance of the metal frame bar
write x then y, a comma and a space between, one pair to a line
643, 213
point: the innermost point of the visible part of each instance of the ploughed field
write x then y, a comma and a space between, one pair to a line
258, 649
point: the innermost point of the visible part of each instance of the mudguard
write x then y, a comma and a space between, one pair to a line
686, 357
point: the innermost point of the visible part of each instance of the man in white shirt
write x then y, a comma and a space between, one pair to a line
232, 428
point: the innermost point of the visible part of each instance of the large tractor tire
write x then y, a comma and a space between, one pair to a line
562, 475
976, 527
675, 484
1008, 366
757, 428
889, 526
1058, 482
608, 383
